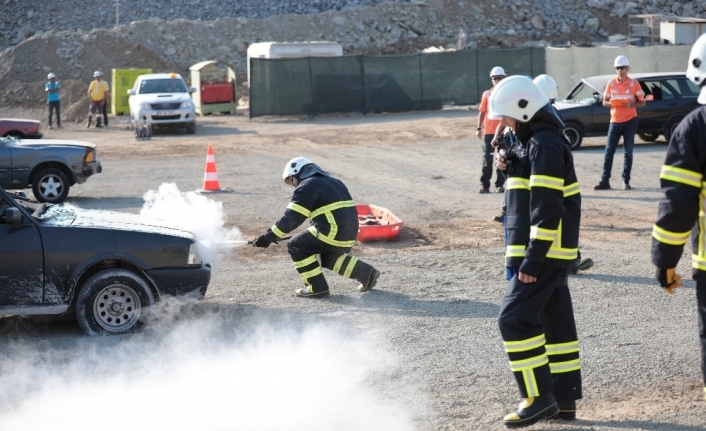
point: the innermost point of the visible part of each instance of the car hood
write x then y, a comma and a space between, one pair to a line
75, 217
559, 105
53, 143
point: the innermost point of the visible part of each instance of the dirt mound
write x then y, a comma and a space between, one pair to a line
24, 68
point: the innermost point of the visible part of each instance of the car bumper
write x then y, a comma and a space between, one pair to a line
38, 135
187, 282
168, 117
85, 170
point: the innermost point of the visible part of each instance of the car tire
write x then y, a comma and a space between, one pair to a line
648, 137
574, 134
114, 301
14, 134
191, 128
50, 185
669, 129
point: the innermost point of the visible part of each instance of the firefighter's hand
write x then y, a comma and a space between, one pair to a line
263, 241
500, 162
668, 279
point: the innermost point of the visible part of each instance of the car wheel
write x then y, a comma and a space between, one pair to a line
648, 137
669, 129
114, 301
15, 134
50, 185
573, 133
191, 128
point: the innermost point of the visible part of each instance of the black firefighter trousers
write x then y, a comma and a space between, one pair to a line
539, 333
303, 248
701, 302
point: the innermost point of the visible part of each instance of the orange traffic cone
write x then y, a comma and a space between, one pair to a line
210, 177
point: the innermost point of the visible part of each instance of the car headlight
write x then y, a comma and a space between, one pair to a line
194, 260
187, 104
90, 156
145, 105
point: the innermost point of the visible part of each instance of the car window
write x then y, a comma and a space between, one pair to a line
167, 85
657, 89
684, 86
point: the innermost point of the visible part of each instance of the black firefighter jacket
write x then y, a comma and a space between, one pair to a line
543, 202
683, 203
329, 205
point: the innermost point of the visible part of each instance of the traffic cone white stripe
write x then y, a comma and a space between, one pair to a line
210, 177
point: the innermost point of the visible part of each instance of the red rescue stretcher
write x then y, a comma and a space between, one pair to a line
377, 223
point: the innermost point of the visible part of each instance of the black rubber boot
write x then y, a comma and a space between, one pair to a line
370, 282
567, 411
307, 293
88, 124
531, 411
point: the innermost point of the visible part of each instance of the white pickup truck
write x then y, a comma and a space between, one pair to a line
162, 99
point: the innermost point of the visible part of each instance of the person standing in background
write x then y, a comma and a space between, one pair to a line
622, 95
97, 92
486, 131
105, 104
53, 99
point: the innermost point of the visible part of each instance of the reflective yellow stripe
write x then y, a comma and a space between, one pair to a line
524, 345
298, 208
529, 363
547, 181
350, 266
312, 273
339, 262
681, 175
304, 262
329, 241
514, 183
667, 237
515, 251
571, 189
698, 262
331, 207
537, 232
564, 367
563, 253
562, 348
278, 233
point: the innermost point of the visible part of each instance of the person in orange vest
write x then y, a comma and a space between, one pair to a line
487, 124
622, 95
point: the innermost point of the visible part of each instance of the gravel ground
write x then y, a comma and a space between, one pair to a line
422, 351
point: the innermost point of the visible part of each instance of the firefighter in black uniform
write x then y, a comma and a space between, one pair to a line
683, 191
543, 216
334, 226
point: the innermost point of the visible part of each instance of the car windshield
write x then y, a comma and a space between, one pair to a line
583, 93
167, 85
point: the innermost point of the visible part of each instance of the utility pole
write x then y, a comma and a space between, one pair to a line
117, 15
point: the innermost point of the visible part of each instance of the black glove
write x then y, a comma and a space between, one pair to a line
668, 279
264, 241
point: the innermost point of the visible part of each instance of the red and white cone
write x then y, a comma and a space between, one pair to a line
210, 177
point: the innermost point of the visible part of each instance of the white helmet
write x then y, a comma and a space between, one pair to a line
498, 71
696, 68
621, 61
548, 86
97, 73
51, 76
293, 168
517, 97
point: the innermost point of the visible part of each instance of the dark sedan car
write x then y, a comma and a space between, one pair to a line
19, 128
670, 96
50, 167
107, 269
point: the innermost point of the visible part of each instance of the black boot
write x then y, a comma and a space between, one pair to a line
88, 124
307, 293
531, 411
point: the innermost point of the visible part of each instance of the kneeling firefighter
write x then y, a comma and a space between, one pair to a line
543, 217
328, 204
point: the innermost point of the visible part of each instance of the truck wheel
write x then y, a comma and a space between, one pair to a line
50, 185
669, 129
648, 137
114, 301
191, 128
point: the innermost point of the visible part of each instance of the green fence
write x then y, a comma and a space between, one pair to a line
320, 85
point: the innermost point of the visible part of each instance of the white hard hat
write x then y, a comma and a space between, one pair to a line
548, 86
498, 71
621, 61
97, 73
293, 168
517, 97
696, 68
51, 75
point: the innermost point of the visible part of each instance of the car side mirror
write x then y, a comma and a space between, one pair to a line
192, 89
13, 216
131, 92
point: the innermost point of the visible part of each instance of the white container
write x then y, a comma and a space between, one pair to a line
681, 33
293, 50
